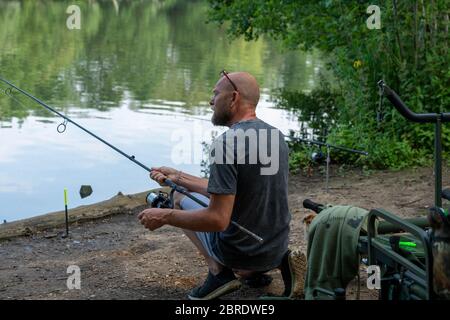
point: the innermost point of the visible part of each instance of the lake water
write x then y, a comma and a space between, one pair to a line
138, 74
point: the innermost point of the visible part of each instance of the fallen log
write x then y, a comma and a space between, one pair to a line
118, 204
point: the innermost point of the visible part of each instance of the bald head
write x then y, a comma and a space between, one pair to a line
231, 105
246, 84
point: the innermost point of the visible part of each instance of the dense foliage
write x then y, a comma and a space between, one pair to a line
410, 52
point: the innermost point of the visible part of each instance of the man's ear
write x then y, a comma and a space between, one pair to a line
236, 97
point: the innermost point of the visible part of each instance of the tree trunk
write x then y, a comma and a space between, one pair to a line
416, 34
446, 19
425, 25
397, 34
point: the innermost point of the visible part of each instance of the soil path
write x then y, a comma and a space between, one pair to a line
119, 259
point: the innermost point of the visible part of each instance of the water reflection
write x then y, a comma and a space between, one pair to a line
135, 72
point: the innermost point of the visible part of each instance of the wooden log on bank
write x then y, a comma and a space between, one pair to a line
118, 204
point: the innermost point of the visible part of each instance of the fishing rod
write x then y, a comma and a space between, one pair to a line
365, 153
329, 147
62, 127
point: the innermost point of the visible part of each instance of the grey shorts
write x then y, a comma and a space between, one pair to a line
208, 239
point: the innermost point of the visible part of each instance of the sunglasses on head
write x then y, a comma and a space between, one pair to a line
225, 74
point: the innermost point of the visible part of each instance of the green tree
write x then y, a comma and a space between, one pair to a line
410, 52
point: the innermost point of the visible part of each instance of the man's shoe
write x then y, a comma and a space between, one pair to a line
293, 271
216, 286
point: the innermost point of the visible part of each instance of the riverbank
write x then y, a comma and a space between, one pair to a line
119, 259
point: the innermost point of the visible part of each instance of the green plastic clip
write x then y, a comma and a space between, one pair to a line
407, 244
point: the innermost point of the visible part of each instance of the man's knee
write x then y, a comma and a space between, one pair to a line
177, 198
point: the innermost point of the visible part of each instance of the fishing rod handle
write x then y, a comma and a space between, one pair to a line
184, 191
255, 236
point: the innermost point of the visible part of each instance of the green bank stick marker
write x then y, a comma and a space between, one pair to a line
67, 214
65, 196
407, 244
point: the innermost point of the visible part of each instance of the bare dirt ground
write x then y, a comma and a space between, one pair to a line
119, 259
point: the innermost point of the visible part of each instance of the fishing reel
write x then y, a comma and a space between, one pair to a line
318, 157
160, 200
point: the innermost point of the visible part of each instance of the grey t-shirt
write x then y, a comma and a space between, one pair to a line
257, 173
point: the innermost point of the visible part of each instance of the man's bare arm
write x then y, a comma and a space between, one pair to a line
193, 183
216, 217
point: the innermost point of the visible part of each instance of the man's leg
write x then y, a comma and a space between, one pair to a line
213, 266
220, 280
293, 266
254, 279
